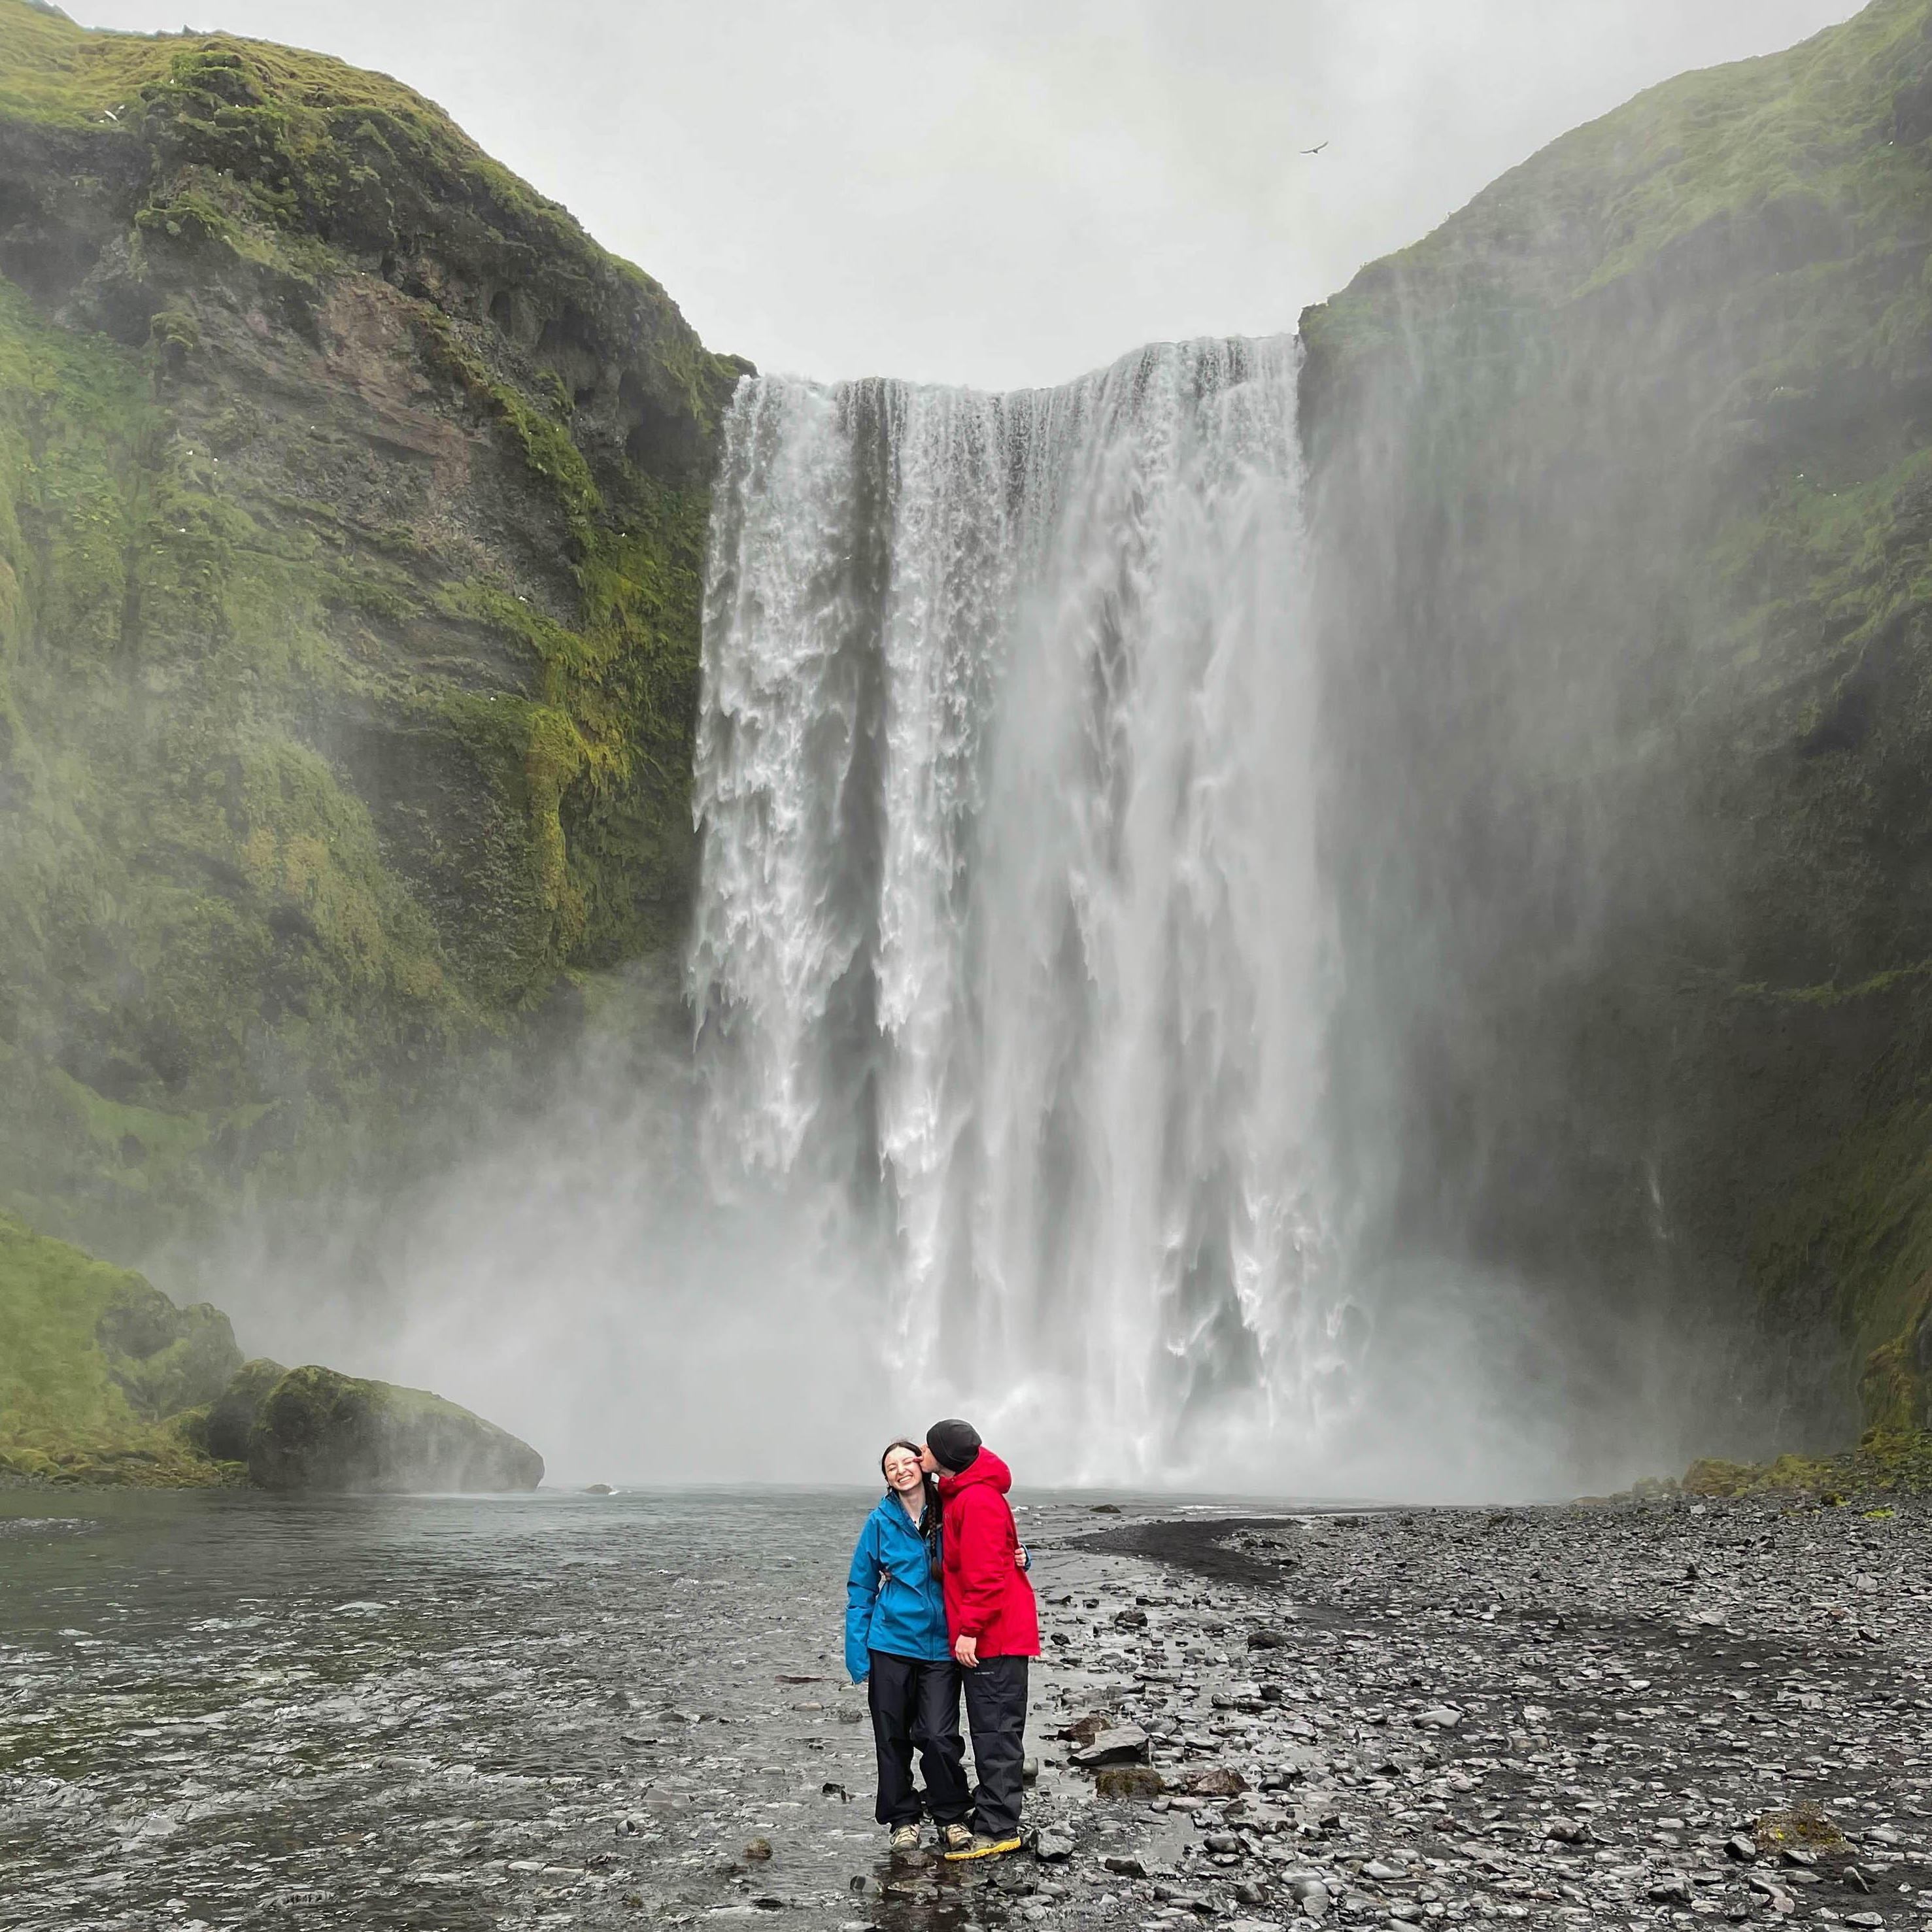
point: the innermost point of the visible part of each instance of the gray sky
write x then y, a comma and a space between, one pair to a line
1006, 192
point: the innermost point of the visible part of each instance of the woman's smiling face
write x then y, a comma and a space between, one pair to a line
902, 1471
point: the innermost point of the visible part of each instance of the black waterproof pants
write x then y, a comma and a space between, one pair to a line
996, 1709
916, 1704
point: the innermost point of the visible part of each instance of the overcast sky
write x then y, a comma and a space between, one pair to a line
1005, 194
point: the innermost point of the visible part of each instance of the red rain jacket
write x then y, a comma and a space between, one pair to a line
987, 1597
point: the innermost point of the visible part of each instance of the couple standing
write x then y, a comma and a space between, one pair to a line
938, 1598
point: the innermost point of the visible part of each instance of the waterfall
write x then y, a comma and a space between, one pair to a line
1008, 946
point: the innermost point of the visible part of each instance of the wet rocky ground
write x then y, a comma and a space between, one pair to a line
225, 1711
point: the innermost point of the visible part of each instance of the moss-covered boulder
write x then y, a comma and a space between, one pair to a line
96, 1366
224, 1431
319, 1430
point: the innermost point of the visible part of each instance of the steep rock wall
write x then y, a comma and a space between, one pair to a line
352, 505
1622, 484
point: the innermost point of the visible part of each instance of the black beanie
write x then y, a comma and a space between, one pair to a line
954, 1444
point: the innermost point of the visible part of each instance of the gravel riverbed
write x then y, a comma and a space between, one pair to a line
576, 1711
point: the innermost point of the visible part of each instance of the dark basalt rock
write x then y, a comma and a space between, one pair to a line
231, 1419
1123, 1744
318, 1429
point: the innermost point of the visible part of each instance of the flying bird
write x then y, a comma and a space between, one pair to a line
1316, 149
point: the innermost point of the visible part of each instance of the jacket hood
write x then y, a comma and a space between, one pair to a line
987, 1467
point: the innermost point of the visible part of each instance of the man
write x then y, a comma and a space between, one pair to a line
994, 1628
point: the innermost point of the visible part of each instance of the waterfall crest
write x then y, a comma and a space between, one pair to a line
1008, 946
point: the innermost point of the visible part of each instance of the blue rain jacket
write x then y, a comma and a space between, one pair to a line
893, 1602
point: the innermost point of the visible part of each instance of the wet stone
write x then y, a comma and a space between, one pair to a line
1124, 1744
580, 1712
1127, 1780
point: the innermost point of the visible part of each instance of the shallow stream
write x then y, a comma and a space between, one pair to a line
224, 1710
221, 1709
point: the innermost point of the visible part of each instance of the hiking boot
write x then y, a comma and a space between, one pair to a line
980, 1846
955, 1837
905, 1838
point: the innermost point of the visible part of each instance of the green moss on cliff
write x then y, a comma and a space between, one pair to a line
351, 514
333, 156
1886, 1461
1792, 160
1862, 1222
94, 1365
183, 882
1625, 478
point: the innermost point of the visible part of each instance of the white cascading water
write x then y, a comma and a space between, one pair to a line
1008, 945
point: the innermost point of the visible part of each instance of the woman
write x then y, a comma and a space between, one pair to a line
896, 1645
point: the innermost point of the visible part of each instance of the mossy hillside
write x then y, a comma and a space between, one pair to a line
1763, 168
181, 873
1624, 481
104, 1380
296, 160
351, 518
96, 1368
1885, 1461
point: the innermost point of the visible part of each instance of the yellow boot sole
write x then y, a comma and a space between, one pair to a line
984, 1848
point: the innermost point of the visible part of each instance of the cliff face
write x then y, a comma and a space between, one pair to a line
1622, 489
352, 504
98, 1369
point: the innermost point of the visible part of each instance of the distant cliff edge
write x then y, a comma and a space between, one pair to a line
352, 512
1622, 489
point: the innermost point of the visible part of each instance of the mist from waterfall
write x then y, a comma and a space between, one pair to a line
1009, 948
1041, 1073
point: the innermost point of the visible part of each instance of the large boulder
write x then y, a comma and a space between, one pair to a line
318, 1429
231, 1419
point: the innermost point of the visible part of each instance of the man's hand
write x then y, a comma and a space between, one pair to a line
966, 1649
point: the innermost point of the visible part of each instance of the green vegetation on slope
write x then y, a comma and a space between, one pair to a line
351, 507
96, 1367
104, 1380
1885, 1461
1629, 470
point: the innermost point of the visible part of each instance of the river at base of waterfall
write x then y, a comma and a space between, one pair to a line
224, 1710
